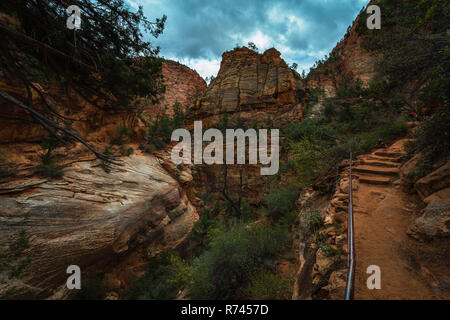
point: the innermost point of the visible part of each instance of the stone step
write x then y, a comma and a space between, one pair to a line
379, 163
388, 154
378, 158
376, 170
373, 179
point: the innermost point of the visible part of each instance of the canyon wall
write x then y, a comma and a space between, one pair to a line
254, 91
91, 217
347, 62
256, 87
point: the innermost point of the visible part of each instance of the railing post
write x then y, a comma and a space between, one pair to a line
350, 239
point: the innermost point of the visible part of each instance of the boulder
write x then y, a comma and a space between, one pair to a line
406, 170
435, 181
91, 219
434, 222
337, 284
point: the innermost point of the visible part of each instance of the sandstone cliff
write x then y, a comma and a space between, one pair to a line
255, 87
90, 218
347, 62
183, 85
255, 91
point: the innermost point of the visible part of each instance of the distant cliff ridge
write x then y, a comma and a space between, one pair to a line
256, 87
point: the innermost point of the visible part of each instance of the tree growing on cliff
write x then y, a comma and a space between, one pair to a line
253, 46
106, 62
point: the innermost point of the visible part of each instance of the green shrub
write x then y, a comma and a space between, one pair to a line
312, 222
160, 132
329, 111
126, 151
309, 128
287, 166
247, 212
330, 251
12, 259
166, 274
91, 288
203, 227
235, 253
121, 134
432, 141
280, 201
265, 285
6, 170
49, 167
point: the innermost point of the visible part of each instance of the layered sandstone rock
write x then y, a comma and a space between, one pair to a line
434, 190
255, 87
254, 91
89, 218
433, 182
347, 62
99, 221
183, 85
434, 222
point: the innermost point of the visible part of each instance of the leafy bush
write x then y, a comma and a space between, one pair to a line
280, 201
330, 251
309, 128
266, 285
49, 167
12, 259
311, 222
204, 227
329, 111
351, 91
235, 253
121, 134
91, 288
6, 170
247, 212
126, 151
166, 275
160, 132
432, 141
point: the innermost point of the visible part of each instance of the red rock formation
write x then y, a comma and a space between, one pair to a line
183, 85
347, 62
254, 87
90, 218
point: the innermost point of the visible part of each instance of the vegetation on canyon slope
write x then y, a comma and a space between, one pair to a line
234, 246
107, 62
412, 76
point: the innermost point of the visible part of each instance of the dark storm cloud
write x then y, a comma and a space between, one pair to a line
303, 30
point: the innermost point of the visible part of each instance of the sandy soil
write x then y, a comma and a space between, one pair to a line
382, 211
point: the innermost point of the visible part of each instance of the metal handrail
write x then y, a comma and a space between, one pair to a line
350, 240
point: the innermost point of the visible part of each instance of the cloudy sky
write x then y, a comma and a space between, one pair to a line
197, 32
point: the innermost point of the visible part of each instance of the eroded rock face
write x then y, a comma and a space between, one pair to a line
90, 218
183, 85
261, 91
435, 221
253, 86
433, 182
434, 189
348, 61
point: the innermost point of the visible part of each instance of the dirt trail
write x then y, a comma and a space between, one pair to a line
382, 213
